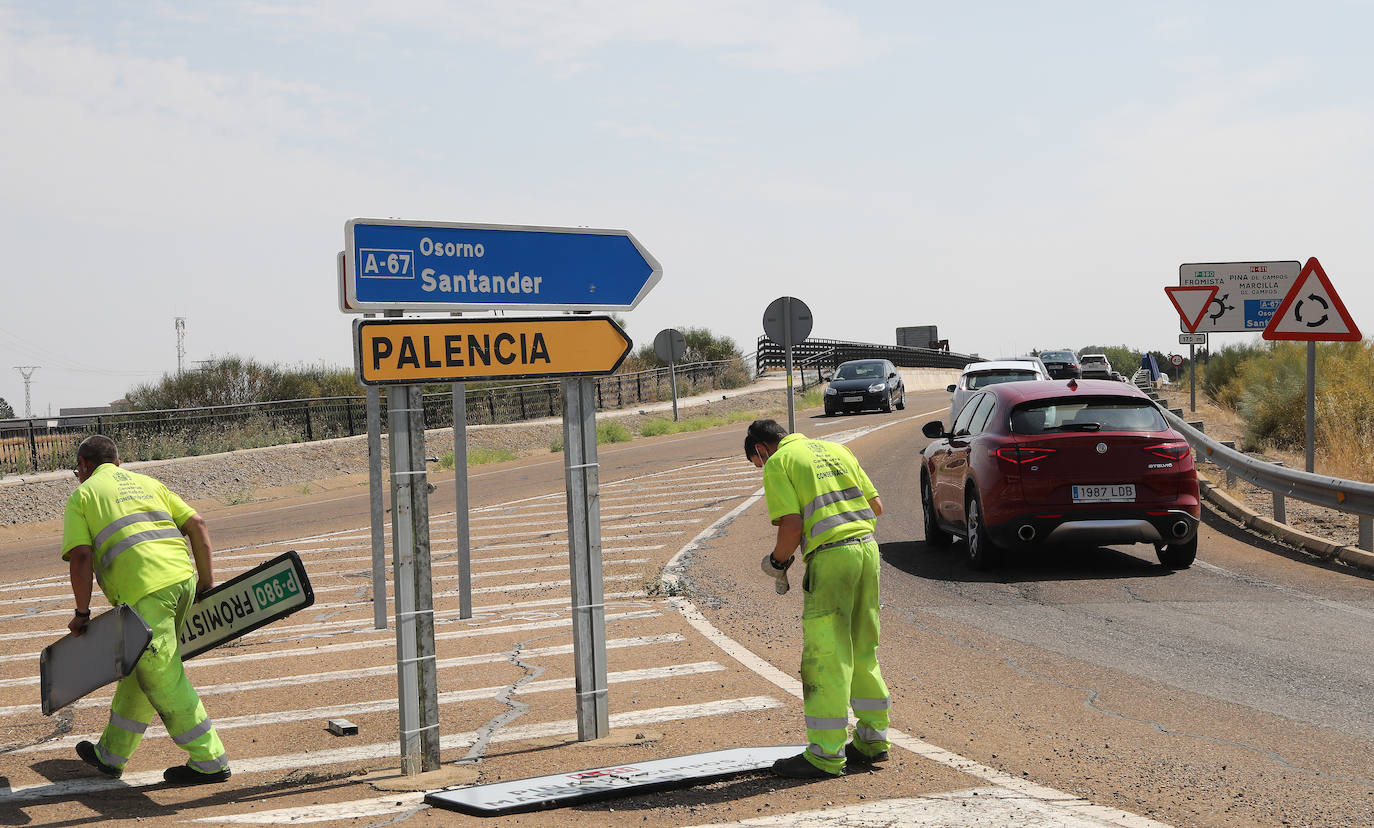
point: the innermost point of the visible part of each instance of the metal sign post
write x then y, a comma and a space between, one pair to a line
460, 485
1312, 311
376, 509
460, 494
787, 321
415, 670
584, 558
1192, 378
669, 346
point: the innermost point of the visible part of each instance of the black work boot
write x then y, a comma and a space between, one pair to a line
855, 759
799, 767
187, 775
89, 755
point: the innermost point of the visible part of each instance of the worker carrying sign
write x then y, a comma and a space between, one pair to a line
126, 530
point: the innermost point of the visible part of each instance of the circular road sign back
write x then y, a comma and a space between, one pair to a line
793, 310
670, 345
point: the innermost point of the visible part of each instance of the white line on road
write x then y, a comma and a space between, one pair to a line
385, 705
387, 750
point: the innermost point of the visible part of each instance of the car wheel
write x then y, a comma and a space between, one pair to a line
901, 400
1177, 555
887, 404
935, 536
982, 552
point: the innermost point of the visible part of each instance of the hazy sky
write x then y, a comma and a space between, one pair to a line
1021, 174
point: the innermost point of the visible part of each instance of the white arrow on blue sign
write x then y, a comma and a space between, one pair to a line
441, 266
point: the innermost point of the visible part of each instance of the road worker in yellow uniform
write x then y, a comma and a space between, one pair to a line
126, 530
822, 501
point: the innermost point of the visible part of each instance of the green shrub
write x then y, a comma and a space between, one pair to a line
1221, 375
478, 456
612, 432
1273, 400
655, 427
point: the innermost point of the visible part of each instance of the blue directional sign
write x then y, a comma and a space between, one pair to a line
440, 266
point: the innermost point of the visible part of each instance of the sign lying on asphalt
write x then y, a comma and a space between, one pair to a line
444, 266
562, 789
411, 351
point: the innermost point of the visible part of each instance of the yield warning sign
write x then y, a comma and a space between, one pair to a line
1312, 311
1191, 302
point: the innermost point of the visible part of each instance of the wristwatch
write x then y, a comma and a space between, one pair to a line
80, 614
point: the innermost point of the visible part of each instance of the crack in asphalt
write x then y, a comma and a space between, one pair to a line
517, 708
1091, 702
62, 725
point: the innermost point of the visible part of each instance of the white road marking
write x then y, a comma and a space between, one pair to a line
955, 809
387, 750
241, 657
385, 705
380, 670
396, 803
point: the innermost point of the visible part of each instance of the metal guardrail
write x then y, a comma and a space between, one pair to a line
1336, 493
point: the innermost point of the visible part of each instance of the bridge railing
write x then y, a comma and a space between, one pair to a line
1348, 496
770, 353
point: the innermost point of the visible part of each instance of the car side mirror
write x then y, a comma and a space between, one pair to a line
949, 388
935, 429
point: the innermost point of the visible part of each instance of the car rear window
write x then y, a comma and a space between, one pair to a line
1079, 414
983, 380
1056, 356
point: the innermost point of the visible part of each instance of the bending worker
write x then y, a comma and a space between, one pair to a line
126, 529
820, 499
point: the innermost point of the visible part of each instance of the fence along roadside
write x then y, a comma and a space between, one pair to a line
41, 444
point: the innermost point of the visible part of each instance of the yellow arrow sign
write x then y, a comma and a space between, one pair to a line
413, 351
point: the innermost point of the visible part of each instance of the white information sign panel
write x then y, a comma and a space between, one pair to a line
1248, 293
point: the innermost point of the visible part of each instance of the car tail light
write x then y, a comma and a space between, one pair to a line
1023, 455
1173, 451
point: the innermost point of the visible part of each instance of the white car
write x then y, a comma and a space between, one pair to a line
1095, 366
982, 374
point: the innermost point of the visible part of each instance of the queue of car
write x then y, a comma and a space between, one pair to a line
1033, 458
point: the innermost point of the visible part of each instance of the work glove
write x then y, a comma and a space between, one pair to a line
778, 572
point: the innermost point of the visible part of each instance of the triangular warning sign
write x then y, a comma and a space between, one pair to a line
1191, 302
1312, 311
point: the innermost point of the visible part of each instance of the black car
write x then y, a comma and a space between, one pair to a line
865, 385
1062, 364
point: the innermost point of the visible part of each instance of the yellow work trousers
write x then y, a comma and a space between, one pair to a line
839, 668
159, 685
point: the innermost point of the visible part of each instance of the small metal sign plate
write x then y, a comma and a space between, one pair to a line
261, 595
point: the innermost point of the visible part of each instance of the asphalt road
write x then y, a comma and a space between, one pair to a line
1238, 692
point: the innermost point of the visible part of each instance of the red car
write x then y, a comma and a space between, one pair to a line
1027, 464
